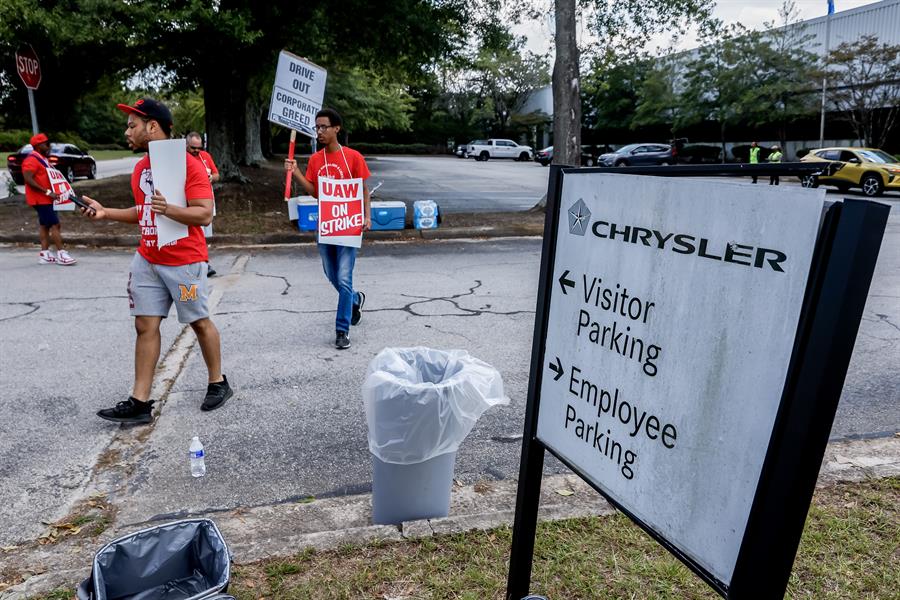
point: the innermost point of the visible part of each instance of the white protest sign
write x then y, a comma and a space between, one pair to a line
341, 208
297, 94
168, 165
672, 320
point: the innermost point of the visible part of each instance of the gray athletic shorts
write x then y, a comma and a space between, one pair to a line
153, 288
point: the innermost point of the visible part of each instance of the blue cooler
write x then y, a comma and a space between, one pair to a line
307, 214
425, 214
388, 214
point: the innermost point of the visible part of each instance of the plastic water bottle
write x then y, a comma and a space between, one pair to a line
198, 462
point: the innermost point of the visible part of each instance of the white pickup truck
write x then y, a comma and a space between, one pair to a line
485, 149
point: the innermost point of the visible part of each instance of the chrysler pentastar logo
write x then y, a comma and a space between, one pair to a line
579, 218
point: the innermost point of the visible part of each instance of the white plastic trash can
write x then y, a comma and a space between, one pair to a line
420, 405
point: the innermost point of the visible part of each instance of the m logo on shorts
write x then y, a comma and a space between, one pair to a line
188, 294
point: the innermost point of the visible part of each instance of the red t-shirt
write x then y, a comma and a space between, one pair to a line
207, 161
32, 196
185, 251
336, 166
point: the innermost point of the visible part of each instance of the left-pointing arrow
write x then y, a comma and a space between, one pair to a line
557, 368
564, 282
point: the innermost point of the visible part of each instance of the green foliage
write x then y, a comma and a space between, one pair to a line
867, 92
610, 93
188, 111
13, 139
367, 100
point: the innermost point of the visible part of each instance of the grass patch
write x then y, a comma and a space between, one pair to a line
849, 550
111, 154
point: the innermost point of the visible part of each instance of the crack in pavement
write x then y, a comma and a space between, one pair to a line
468, 312
35, 305
287, 284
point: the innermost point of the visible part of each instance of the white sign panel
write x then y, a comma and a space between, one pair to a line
672, 320
298, 93
168, 165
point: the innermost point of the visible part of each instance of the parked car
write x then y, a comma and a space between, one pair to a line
870, 169
69, 159
496, 148
589, 154
639, 154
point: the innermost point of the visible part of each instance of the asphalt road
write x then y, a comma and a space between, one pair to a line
296, 426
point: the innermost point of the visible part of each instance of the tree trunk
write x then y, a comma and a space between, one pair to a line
225, 116
566, 88
253, 153
722, 139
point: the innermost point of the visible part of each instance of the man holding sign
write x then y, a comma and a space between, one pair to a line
40, 194
163, 274
337, 177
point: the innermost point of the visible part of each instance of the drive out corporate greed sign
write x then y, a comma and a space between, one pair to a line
691, 343
297, 94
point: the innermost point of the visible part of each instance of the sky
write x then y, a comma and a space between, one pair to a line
751, 13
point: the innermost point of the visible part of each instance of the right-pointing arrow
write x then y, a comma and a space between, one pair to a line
557, 368
563, 282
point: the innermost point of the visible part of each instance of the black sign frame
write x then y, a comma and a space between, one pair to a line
842, 267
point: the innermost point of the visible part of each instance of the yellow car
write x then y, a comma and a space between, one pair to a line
869, 169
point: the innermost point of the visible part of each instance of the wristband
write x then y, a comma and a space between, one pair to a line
49, 192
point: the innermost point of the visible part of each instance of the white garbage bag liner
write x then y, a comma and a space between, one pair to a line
421, 403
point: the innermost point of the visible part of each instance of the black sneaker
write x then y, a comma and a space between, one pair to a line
128, 411
342, 340
357, 309
210, 272
217, 394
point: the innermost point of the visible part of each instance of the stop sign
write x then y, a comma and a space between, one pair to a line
29, 67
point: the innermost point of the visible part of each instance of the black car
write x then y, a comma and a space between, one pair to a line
68, 158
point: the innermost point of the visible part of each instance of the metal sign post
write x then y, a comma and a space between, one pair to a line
659, 301
29, 69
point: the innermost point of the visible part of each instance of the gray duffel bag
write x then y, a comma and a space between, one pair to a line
184, 560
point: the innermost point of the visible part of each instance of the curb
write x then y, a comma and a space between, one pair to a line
239, 239
282, 530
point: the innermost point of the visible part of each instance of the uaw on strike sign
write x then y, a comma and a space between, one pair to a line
341, 211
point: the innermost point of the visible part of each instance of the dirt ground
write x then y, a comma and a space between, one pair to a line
255, 207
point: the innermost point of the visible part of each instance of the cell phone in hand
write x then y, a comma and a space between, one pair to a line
80, 202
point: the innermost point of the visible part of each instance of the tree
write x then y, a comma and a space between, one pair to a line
716, 80
619, 28
866, 87
658, 102
780, 70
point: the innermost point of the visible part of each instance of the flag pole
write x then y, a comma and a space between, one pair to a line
825, 72
290, 174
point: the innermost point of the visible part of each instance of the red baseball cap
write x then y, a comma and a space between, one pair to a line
149, 108
38, 138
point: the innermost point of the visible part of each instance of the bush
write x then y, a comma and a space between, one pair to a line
385, 148
12, 140
700, 153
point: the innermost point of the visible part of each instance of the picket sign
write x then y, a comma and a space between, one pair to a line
63, 190
341, 212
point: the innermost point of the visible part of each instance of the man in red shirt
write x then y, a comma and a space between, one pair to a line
160, 276
39, 194
337, 261
195, 147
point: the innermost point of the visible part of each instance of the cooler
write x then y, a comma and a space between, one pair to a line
307, 213
388, 214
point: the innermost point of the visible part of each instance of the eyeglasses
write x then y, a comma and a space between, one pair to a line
195, 148
322, 127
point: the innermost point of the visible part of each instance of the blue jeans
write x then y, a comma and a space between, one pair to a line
337, 262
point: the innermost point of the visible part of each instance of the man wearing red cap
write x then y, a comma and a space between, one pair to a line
163, 275
39, 194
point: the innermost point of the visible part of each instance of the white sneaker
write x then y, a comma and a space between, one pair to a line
46, 258
63, 258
